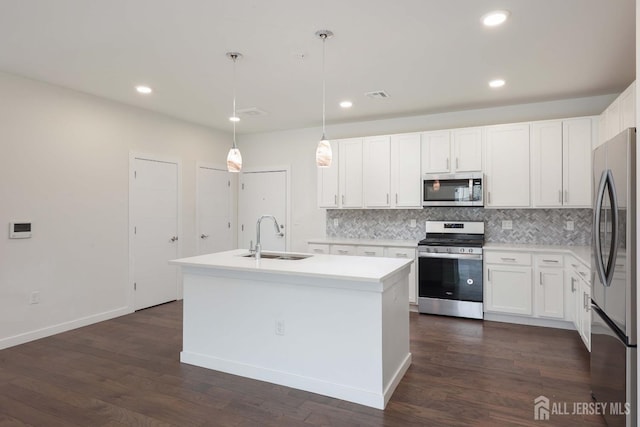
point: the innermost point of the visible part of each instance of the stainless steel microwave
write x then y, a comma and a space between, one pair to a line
457, 189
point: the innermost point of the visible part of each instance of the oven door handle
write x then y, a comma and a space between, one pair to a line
449, 256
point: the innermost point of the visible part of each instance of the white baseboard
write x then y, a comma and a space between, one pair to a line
531, 321
371, 398
62, 327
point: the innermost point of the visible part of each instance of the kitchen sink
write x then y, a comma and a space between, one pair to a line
278, 255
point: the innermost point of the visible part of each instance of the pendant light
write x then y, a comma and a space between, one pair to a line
323, 152
234, 158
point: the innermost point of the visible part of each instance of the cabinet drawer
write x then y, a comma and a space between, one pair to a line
316, 248
549, 260
508, 258
343, 250
409, 253
582, 270
369, 250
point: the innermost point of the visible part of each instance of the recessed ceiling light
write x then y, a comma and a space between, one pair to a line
145, 90
496, 83
494, 18
234, 119
346, 104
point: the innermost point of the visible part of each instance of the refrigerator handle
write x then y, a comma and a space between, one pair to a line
615, 218
596, 228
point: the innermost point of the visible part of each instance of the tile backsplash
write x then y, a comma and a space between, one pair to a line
530, 226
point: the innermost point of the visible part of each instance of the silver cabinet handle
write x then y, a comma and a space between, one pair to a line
507, 259
457, 163
573, 285
566, 196
343, 199
342, 251
582, 273
541, 281
574, 265
335, 199
560, 196
387, 198
399, 255
489, 197
396, 198
550, 260
174, 238
204, 236
447, 163
370, 253
489, 274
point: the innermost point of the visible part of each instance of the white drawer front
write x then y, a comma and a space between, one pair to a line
369, 250
316, 248
343, 250
408, 253
549, 260
507, 258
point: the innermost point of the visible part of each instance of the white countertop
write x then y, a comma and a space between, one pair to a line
582, 253
365, 242
352, 268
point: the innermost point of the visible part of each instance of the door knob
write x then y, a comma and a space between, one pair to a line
204, 236
174, 238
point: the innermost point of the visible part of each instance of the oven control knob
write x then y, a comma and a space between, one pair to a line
471, 250
461, 250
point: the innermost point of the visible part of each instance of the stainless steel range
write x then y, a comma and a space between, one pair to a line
450, 269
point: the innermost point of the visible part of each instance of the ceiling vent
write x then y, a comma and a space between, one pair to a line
377, 94
251, 112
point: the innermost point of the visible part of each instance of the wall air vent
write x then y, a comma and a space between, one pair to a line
377, 94
250, 112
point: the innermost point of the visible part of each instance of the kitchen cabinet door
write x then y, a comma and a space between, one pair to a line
546, 163
406, 182
436, 152
576, 162
508, 289
328, 180
614, 120
507, 166
350, 182
549, 292
377, 171
628, 107
585, 315
467, 150
409, 253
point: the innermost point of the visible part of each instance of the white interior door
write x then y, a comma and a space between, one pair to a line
262, 193
214, 210
155, 222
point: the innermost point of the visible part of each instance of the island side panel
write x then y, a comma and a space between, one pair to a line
396, 355
331, 340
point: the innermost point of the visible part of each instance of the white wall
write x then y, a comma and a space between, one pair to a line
64, 163
297, 147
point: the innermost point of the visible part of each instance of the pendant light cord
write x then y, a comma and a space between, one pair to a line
324, 39
234, 57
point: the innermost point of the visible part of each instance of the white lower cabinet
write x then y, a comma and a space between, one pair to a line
507, 280
374, 251
579, 289
549, 286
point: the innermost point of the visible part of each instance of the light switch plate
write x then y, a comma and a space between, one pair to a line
507, 224
413, 223
335, 222
570, 226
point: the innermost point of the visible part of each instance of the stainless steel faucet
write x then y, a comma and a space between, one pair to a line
277, 228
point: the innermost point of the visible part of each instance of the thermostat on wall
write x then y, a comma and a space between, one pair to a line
19, 230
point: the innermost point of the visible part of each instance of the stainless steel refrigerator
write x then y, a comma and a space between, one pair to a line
613, 265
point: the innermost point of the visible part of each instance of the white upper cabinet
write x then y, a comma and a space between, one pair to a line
377, 171
507, 166
467, 150
618, 116
561, 163
457, 150
546, 163
577, 135
436, 152
406, 185
328, 180
350, 182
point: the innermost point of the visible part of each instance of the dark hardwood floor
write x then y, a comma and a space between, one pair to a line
126, 372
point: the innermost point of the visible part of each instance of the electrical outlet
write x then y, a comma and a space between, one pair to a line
335, 222
279, 327
507, 224
34, 298
413, 223
570, 226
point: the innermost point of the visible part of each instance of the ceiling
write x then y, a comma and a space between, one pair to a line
429, 56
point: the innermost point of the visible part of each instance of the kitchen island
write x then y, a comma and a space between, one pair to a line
328, 324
